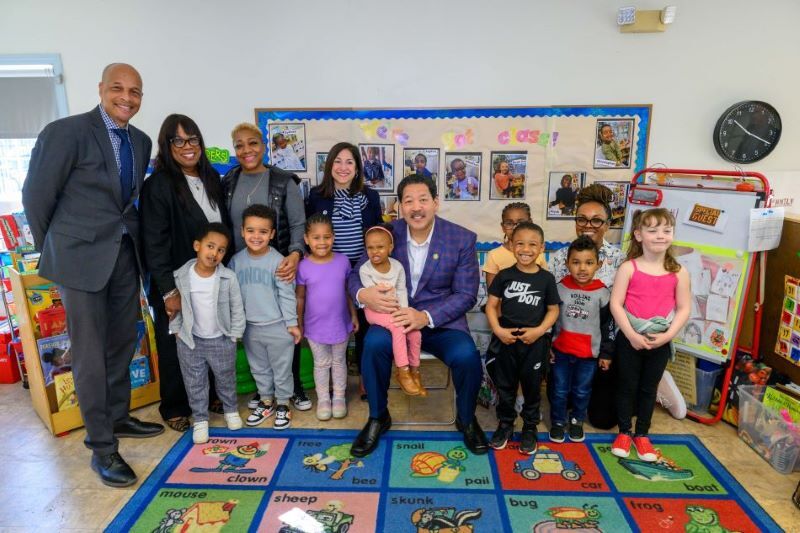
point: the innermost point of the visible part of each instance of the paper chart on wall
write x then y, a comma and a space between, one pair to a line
717, 276
788, 342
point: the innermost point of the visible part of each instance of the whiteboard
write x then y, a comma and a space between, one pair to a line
682, 201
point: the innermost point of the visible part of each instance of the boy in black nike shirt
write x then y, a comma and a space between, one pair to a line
523, 305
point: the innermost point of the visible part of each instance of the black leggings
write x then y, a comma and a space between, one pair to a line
639, 372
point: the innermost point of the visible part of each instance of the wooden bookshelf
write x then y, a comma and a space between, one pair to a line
59, 421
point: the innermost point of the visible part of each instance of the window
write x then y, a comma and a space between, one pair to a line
33, 96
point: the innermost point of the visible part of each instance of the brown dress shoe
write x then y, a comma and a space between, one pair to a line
415, 375
406, 382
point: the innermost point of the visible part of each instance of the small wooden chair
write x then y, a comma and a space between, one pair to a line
439, 395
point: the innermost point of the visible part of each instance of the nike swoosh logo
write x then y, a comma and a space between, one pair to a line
512, 294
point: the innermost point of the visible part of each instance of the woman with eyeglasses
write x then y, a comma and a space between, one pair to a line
592, 218
183, 194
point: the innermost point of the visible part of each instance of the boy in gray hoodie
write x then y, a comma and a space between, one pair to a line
210, 321
271, 310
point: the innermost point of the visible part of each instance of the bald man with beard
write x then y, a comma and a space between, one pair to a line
85, 174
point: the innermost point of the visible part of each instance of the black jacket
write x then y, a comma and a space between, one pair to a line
371, 216
278, 180
169, 229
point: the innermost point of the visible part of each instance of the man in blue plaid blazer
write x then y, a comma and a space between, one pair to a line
442, 278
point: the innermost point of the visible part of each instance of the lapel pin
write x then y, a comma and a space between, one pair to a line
436, 257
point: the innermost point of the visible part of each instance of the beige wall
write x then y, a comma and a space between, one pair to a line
216, 61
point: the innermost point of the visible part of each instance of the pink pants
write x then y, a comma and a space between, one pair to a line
405, 346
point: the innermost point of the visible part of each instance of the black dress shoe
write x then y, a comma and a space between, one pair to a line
474, 437
367, 440
135, 428
113, 470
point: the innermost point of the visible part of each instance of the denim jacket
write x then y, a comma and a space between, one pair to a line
230, 311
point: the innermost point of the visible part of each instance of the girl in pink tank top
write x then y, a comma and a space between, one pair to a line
650, 302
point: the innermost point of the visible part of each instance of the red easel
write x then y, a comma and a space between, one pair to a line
729, 181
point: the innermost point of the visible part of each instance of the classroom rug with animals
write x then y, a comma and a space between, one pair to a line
302, 480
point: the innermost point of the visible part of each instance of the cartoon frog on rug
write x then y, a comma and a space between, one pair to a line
704, 520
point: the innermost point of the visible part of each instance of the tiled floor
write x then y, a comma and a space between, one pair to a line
46, 483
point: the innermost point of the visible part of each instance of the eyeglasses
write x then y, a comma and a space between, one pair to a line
511, 224
459, 169
594, 222
180, 142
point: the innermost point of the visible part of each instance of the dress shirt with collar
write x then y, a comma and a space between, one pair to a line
115, 140
417, 255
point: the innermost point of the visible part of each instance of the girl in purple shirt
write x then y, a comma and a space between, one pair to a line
325, 314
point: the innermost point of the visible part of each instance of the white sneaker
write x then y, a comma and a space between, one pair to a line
252, 403
233, 421
283, 418
200, 432
670, 397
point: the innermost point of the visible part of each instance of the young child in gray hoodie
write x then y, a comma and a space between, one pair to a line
271, 310
210, 321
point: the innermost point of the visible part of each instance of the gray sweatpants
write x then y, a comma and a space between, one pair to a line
220, 355
269, 352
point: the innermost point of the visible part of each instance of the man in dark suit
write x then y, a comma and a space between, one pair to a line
442, 278
85, 173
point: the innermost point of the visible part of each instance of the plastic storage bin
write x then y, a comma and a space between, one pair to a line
765, 430
704, 380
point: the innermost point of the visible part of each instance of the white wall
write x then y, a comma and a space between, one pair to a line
218, 61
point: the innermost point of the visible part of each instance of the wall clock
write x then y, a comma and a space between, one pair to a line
747, 132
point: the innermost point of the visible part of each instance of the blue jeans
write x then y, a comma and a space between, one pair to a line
571, 382
455, 348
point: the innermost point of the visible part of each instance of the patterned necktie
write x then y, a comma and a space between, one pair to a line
125, 164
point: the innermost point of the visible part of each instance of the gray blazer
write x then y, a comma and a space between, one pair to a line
230, 310
73, 200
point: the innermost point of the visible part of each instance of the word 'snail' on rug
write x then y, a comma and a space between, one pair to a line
307, 481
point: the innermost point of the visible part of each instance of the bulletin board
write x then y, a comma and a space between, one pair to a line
480, 158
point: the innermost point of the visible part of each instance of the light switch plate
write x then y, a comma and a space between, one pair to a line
626, 15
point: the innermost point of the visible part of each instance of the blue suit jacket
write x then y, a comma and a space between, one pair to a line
448, 287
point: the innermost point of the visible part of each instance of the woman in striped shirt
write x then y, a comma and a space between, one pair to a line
353, 208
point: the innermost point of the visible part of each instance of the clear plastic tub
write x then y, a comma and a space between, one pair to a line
705, 380
765, 430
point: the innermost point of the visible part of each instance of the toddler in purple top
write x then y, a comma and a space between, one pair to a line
325, 314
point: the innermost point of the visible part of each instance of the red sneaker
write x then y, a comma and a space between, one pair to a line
622, 445
644, 449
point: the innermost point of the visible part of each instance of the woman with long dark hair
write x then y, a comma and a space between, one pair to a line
353, 207
183, 194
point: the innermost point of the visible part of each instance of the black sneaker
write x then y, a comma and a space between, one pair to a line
576, 431
301, 401
283, 417
252, 403
557, 433
527, 444
501, 435
260, 413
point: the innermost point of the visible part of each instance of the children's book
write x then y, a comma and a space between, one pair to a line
55, 356
777, 400
65, 391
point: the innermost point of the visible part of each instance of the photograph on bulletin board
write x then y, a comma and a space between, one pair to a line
390, 208
305, 187
563, 191
288, 146
613, 143
717, 278
421, 161
788, 343
509, 171
463, 176
378, 161
320, 157
619, 199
